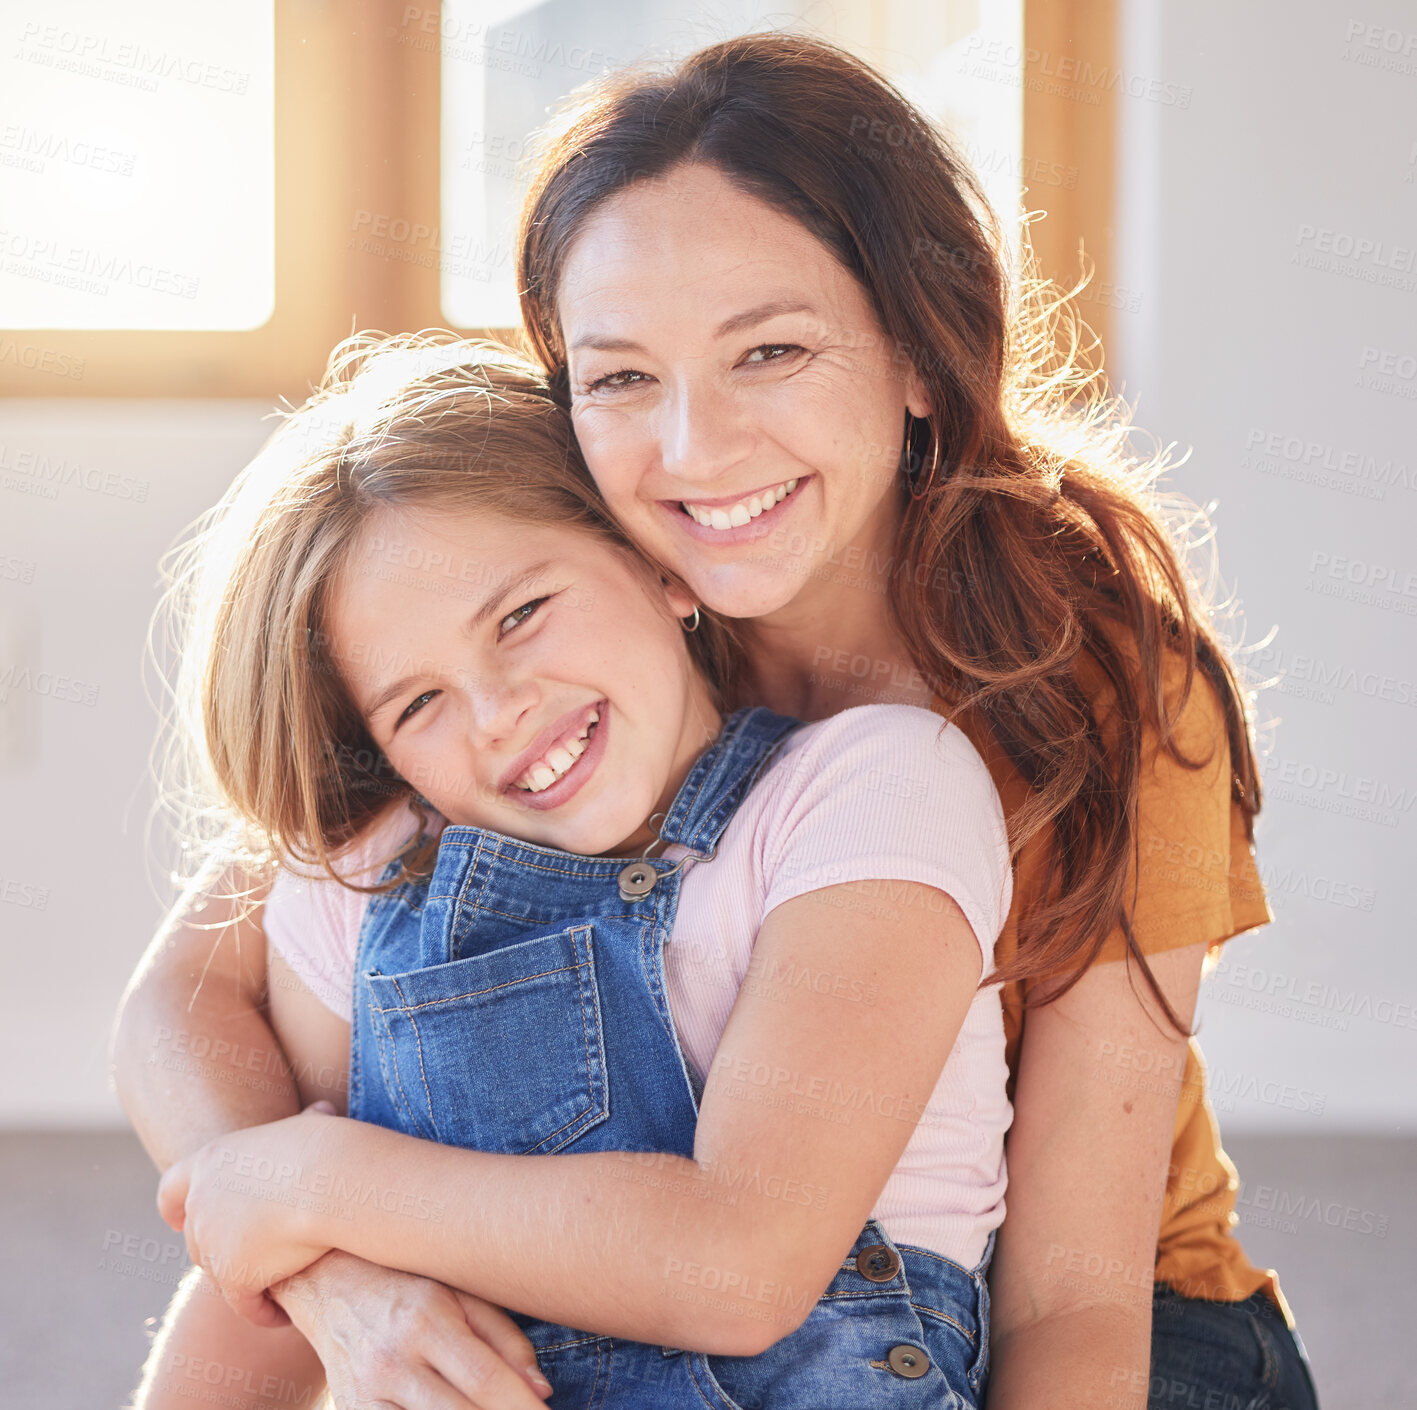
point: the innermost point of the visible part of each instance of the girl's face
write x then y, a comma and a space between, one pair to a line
526, 679
735, 397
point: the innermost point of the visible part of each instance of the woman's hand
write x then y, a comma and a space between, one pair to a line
408, 1342
242, 1203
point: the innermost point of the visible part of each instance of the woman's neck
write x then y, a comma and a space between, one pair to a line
827, 651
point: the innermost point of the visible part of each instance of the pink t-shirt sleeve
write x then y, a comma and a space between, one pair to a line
889, 793
314, 921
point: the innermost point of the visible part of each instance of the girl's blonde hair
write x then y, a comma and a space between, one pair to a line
270, 759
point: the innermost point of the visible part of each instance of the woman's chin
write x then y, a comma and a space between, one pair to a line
746, 590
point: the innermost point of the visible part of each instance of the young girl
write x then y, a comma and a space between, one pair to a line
721, 1123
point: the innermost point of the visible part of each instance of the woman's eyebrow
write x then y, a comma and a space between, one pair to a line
736, 323
750, 318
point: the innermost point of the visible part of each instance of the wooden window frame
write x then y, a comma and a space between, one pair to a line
356, 128
357, 152
1063, 131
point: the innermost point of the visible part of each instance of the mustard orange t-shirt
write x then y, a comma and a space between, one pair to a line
1195, 880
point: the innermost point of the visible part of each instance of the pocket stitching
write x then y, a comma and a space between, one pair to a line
422, 1070
387, 1050
472, 993
577, 932
945, 1317
590, 1115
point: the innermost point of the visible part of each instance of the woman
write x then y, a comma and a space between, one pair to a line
765, 267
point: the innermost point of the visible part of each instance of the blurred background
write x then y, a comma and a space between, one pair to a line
197, 201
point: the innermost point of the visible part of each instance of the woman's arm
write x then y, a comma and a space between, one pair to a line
194, 1056
1094, 1115
807, 1108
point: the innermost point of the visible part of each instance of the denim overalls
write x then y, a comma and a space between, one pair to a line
514, 1002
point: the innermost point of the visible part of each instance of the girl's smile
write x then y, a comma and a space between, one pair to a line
551, 695
560, 768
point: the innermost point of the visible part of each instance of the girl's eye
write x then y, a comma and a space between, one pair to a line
415, 706
614, 381
518, 615
771, 352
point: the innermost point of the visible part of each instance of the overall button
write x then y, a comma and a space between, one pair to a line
908, 1361
636, 880
878, 1262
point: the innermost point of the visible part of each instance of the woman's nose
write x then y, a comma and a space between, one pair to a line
703, 436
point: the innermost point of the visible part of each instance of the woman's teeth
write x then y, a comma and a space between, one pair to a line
736, 515
558, 759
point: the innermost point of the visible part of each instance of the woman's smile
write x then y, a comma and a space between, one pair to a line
735, 519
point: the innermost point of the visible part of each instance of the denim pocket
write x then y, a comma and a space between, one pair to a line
498, 1052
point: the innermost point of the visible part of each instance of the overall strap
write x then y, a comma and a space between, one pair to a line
722, 776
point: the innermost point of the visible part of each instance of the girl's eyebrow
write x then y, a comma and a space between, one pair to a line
487, 609
495, 599
737, 323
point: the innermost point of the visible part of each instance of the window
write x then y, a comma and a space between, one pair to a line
203, 200
137, 167
506, 66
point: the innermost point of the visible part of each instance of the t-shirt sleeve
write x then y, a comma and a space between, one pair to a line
314, 921
1193, 875
889, 793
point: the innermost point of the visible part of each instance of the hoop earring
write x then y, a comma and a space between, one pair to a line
694, 619
934, 462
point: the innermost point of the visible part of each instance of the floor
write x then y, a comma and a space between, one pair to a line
91, 1264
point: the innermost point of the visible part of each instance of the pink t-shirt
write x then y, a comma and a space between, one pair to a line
875, 793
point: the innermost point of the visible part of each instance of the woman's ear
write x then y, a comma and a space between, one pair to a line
917, 399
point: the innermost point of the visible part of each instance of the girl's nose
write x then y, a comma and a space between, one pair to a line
497, 709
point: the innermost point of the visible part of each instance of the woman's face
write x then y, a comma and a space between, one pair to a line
529, 680
735, 397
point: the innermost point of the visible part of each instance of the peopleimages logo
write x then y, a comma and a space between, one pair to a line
33, 472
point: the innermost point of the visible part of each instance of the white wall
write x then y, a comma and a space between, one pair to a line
79, 889
1234, 335
1302, 119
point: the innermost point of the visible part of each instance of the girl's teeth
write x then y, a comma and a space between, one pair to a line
738, 516
558, 761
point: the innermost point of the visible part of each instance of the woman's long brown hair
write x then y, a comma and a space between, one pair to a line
1067, 599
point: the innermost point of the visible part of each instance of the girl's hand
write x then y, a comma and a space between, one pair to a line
407, 1343
243, 1203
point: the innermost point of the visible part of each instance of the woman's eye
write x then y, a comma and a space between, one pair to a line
614, 381
771, 352
519, 614
415, 706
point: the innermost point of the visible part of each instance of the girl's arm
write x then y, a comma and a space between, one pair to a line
1094, 1116
808, 1105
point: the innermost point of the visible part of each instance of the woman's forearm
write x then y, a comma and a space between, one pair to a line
187, 1070
193, 1054
203, 1342
642, 1246
1090, 1356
